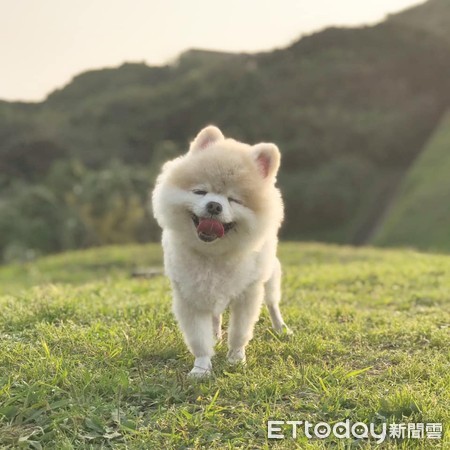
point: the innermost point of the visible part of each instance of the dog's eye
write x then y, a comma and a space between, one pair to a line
235, 200
199, 192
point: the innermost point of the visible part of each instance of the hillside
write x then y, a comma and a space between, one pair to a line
432, 16
350, 109
420, 211
92, 358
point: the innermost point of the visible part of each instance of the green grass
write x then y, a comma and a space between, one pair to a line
420, 213
91, 358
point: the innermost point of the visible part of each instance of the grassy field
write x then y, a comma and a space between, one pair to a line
92, 358
420, 212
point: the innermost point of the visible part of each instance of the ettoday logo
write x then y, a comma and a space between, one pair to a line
278, 429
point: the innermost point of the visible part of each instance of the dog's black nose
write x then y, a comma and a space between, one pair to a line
214, 208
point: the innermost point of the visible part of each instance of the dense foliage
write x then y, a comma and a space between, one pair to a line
350, 109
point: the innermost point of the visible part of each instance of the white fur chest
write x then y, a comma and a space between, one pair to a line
209, 282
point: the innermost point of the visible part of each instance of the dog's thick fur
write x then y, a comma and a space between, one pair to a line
239, 269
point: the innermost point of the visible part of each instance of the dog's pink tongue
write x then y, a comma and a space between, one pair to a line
211, 227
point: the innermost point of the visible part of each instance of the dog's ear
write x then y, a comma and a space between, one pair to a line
267, 158
206, 138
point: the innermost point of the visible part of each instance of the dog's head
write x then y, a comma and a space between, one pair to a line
220, 196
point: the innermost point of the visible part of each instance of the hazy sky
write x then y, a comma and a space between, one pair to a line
44, 43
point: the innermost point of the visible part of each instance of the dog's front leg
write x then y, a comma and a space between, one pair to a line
244, 314
197, 329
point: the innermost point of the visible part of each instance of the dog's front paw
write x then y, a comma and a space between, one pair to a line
236, 356
202, 368
199, 372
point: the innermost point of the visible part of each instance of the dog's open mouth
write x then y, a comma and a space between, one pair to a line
209, 229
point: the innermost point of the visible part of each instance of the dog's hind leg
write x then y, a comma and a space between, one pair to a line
272, 299
217, 326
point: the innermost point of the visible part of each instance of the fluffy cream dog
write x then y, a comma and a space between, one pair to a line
220, 213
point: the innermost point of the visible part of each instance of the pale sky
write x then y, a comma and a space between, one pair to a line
44, 43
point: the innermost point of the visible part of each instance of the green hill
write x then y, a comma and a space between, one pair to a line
432, 16
91, 358
350, 109
420, 211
